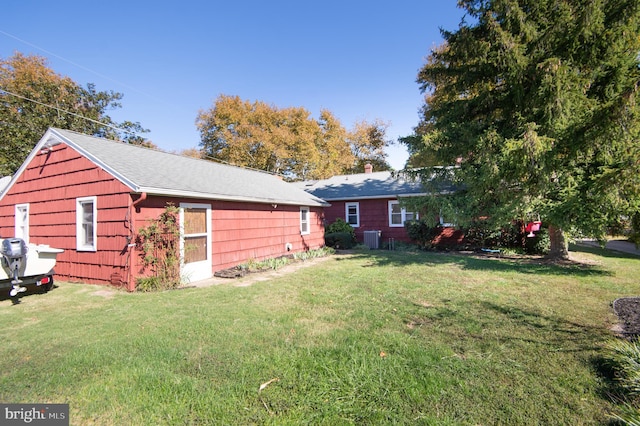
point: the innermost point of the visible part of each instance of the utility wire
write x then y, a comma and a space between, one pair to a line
204, 157
68, 112
80, 66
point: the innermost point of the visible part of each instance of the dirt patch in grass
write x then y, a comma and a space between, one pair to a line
107, 294
628, 311
575, 260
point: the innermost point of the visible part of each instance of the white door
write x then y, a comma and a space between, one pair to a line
195, 241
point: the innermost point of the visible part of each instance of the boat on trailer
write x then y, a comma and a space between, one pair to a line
26, 264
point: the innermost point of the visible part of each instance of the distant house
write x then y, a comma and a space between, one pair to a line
371, 203
91, 196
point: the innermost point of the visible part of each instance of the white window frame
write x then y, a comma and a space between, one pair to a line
305, 223
445, 224
80, 232
403, 215
22, 222
357, 215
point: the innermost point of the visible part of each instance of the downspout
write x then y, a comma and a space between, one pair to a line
143, 197
131, 285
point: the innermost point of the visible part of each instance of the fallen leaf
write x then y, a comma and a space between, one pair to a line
265, 384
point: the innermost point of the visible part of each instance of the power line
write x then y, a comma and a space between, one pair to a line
80, 66
204, 157
68, 112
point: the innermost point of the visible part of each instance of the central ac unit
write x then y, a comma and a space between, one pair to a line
372, 239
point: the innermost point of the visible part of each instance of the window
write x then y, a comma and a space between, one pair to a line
86, 224
304, 221
22, 222
352, 212
444, 223
195, 233
398, 216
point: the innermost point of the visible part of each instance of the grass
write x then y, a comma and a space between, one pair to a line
373, 338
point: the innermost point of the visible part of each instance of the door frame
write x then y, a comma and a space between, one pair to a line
201, 270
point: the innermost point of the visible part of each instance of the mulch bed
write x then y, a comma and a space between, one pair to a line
628, 311
230, 273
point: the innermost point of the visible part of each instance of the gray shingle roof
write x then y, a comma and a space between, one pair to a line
364, 185
161, 173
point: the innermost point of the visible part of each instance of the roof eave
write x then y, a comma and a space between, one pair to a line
376, 197
224, 197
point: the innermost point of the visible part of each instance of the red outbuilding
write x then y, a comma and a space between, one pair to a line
91, 196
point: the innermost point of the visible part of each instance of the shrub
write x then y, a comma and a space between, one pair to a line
315, 253
340, 226
340, 235
159, 248
340, 240
540, 244
421, 233
149, 284
625, 359
481, 233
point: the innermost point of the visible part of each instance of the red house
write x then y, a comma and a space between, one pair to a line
371, 203
90, 196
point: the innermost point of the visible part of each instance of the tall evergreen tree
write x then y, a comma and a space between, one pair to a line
537, 101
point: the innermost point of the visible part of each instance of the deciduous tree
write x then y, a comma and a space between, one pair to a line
539, 99
368, 141
286, 141
33, 98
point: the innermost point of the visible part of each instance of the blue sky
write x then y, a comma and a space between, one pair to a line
358, 59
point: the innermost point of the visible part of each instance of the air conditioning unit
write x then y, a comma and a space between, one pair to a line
372, 239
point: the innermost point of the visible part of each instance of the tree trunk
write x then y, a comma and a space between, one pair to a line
559, 248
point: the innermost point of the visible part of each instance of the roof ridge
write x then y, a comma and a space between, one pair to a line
210, 159
167, 173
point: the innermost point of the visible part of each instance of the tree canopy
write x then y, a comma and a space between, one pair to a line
288, 141
537, 101
33, 98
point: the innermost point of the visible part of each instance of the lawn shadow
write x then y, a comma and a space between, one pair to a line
537, 265
567, 335
571, 336
515, 327
31, 291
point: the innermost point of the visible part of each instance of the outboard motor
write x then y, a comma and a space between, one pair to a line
14, 251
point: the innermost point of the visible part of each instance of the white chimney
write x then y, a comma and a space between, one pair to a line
368, 168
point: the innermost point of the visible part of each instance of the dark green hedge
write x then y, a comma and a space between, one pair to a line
339, 240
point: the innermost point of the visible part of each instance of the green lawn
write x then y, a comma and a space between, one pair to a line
376, 337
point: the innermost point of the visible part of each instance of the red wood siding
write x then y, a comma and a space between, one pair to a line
246, 231
50, 184
374, 216
449, 237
